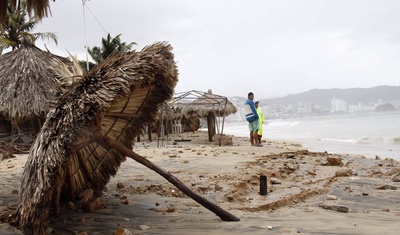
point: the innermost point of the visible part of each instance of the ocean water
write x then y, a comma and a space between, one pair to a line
367, 134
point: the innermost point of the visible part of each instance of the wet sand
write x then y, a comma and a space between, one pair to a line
308, 192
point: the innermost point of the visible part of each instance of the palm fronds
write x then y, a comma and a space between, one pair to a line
115, 100
27, 81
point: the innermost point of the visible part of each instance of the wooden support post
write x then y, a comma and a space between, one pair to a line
149, 129
210, 124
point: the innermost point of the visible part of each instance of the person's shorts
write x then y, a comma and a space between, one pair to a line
253, 126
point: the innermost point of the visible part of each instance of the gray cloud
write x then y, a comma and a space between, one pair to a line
272, 48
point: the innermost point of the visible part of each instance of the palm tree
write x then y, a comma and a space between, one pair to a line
109, 46
17, 28
40, 8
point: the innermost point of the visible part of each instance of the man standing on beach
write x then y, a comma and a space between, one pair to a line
261, 119
252, 118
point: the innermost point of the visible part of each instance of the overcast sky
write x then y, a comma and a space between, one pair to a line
273, 48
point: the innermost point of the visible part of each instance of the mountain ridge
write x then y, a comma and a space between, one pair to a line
323, 97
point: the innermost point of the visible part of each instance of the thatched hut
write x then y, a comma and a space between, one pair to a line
28, 85
210, 106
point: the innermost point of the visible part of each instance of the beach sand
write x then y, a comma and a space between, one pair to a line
307, 192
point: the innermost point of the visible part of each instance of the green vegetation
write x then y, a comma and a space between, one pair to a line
18, 28
109, 46
385, 107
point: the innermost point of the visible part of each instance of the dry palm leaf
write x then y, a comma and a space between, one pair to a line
91, 130
40, 8
27, 82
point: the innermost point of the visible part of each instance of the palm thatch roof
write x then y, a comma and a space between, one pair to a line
28, 82
111, 104
40, 8
196, 104
204, 103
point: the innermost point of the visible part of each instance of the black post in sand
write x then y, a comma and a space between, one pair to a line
263, 185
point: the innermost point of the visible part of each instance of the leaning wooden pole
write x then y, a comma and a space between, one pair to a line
224, 215
223, 122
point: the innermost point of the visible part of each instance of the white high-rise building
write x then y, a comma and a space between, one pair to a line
338, 105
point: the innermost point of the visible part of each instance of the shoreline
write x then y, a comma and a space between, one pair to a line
355, 140
305, 191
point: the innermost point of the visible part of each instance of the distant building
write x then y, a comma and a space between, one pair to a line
302, 109
308, 107
354, 108
338, 105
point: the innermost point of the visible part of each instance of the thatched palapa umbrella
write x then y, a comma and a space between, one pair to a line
207, 102
89, 133
210, 106
28, 84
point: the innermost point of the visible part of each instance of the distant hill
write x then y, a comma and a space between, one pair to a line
351, 96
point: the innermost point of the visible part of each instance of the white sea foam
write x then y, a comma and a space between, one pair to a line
341, 140
283, 123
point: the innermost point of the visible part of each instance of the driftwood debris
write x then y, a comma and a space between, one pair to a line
183, 140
